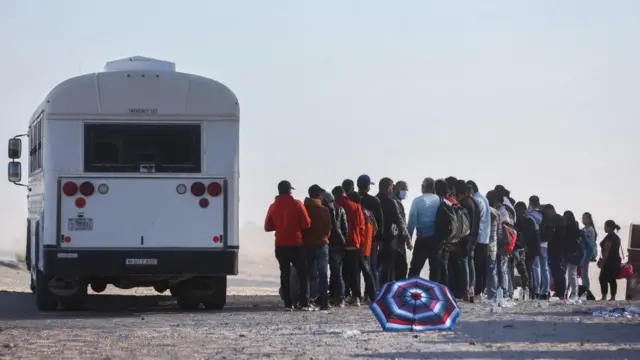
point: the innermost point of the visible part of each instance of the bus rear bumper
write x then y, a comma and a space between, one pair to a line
71, 263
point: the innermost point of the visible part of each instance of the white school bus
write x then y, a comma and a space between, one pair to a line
132, 181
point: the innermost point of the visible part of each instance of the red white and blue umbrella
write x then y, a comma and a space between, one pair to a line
415, 304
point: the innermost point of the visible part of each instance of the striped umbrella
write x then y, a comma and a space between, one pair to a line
415, 304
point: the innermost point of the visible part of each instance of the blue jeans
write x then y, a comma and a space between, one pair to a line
497, 275
336, 262
543, 266
535, 275
584, 269
318, 262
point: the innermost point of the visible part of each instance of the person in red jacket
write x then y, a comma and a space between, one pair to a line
353, 255
289, 218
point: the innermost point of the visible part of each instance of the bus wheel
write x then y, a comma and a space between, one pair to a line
218, 299
187, 302
76, 301
45, 300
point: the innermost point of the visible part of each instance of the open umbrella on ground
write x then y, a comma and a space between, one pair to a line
415, 304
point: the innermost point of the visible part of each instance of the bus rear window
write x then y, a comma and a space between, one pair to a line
142, 148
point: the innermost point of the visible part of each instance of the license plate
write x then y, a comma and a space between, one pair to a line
142, 262
80, 224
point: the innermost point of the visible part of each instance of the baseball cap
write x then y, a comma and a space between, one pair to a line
315, 191
365, 180
284, 186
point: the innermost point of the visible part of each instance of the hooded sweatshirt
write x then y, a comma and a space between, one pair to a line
355, 221
320, 230
288, 218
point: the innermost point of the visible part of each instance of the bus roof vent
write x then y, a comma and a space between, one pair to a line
139, 63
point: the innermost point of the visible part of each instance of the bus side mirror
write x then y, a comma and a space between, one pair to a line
14, 172
15, 148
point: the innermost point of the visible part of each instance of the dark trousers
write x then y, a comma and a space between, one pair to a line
296, 257
401, 263
468, 266
461, 268
520, 264
375, 264
352, 261
387, 257
367, 274
336, 283
481, 264
318, 263
607, 278
426, 249
558, 267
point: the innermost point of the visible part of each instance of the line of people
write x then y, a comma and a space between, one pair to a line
474, 244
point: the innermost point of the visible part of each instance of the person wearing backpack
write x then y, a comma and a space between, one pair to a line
589, 237
454, 245
422, 221
463, 194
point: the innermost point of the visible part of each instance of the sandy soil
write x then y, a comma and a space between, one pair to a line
147, 326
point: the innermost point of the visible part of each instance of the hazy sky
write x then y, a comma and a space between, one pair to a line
541, 96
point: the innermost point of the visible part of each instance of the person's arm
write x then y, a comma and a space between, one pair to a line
396, 217
605, 250
305, 221
378, 215
412, 218
269, 224
344, 225
326, 222
360, 223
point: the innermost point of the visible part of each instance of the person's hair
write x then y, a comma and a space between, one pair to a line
590, 219
611, 225
428, 184
520, 207
501, 191
573, 231
473, 185
549, 207
492, 197
534, 201
451, 183
348, 185
355, 197
384, 184
315, 191
512, 201
337, 191
441, 188
327, 198
461, 188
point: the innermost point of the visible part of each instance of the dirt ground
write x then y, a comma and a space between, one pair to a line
253, 326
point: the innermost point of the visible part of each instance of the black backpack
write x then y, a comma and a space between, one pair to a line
446, 221
464, 224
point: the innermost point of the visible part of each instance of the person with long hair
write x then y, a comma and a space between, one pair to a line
574, 250
590, 235
610, 261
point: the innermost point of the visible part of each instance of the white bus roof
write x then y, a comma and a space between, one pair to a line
140, 83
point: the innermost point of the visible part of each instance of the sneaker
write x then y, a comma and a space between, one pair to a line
354, 302
308, 308
341, 303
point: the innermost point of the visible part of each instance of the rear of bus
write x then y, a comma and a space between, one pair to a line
146, 177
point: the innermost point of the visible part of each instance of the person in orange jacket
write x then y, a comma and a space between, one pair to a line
316, 240
356, 233
289, 218
370, 230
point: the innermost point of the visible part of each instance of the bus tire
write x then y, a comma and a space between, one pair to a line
76, 301
45, 300
218, 298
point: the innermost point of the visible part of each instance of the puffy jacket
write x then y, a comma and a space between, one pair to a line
355, 221
320, 230
370, 230
288, 218
393, 223
339, 228
372, 204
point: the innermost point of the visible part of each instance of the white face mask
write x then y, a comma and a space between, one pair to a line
403, 194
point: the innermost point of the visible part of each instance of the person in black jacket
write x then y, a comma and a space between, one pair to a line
372, 204
392, 225
400, 190
528, 247
337, 242
467, 280
557, 249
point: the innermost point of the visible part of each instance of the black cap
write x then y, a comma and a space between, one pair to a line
315, 191
284, 187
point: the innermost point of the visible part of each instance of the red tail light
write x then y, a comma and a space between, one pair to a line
81, 202
198, 189
70, 188
214, 189
86, 188
203, 203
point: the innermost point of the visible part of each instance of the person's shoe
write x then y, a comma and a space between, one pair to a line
288, 307
471, 299
341, 303
544, 297
354, 302
308, 307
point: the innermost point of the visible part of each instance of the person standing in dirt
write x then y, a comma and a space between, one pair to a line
337, 243
422, 220
356, 230
610, 261
370, 229
392, 226
316, 241
463, 194
289, 218
371, 203
481, 253
400, 190
555, 232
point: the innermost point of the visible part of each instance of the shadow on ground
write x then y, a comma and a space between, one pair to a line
21, 306
12, 265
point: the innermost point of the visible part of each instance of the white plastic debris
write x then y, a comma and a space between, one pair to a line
350, 333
